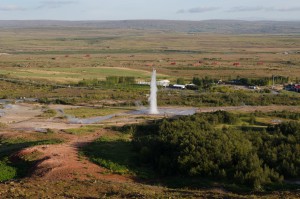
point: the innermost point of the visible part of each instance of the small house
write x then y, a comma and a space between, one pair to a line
163, 83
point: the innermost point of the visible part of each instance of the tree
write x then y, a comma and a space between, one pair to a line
180, 81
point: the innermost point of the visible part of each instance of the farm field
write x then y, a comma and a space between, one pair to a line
74, 118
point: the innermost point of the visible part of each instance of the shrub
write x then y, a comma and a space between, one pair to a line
191, 146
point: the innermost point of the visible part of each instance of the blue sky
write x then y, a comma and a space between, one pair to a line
150, 9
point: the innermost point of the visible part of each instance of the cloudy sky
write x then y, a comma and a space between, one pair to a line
150, 9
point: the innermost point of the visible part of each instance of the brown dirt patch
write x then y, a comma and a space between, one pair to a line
62, 161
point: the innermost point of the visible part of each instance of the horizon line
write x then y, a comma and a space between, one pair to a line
183, 20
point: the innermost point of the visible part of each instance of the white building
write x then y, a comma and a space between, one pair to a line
163, 83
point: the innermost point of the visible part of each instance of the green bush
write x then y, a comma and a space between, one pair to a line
192, 146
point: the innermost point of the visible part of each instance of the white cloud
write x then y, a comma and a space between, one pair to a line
265, 9
246, 9
55, 4
295, 9
11, 8
198, 10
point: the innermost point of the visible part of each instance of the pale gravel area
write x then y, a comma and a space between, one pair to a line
24, 116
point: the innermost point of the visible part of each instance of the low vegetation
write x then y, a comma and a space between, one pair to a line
232, 150
15, 168
191, 146
111, 152
109, 189
83, 130
114, 152
225, 97
207, 82
128, 95
48, 113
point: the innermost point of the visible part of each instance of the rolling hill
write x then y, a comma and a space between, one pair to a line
210, 26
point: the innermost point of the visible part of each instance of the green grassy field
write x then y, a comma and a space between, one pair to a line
72, 75
83, 130
67, 55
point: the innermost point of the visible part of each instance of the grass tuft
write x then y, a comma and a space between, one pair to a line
82, 130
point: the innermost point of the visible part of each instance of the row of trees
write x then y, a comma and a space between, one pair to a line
192, 146
110, 80
267, 81
207, 82
236, 98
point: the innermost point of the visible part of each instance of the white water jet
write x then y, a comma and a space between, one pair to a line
153, 98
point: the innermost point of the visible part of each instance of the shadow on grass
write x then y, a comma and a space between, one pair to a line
7, 148
116, 155
14, 167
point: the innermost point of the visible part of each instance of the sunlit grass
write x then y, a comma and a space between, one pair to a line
72, 74
83, 130
114, 152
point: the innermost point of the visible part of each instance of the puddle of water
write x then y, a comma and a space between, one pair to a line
9, 106
162, 111
166, 111
170, 111
4, 101
5, 107
94, 120
39, 130
276, 121
2, 112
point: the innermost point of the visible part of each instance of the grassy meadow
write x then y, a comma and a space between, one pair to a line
69, 55
93, 69
43, 62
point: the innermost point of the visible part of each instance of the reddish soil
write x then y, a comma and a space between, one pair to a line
61, 162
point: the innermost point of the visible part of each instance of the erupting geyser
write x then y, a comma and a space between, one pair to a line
153, 98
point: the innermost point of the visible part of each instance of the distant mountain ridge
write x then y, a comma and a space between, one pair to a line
211, 26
